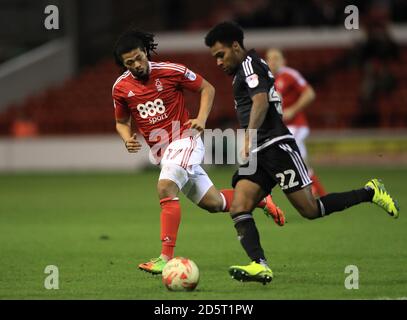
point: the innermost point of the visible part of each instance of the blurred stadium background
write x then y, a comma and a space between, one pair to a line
55, 84
56, 111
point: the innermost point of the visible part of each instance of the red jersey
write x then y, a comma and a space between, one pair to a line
154, 104
291, 84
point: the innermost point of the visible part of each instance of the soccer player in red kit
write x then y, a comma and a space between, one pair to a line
296, 95
152, 94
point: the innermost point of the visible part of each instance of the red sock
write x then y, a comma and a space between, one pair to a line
317, 186
228, 196
170, 220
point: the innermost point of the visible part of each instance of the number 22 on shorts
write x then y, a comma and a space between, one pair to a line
290, 174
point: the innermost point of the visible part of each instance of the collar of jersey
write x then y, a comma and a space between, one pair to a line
250, 52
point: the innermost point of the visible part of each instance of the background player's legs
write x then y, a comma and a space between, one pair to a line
317, 187
311, 208
247, 195
300, 134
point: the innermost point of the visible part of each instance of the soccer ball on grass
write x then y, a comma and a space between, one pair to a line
180, 274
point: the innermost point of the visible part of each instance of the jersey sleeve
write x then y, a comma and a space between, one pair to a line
188, 79
121, 110
257, 78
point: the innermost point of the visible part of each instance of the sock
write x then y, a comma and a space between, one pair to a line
334, 202
249, 236
317, 187
164, 257
227, 195
264, 263
170, 220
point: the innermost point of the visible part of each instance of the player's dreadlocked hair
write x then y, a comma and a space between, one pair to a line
225, 33
134, 39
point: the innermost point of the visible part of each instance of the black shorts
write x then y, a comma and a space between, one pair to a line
282, 164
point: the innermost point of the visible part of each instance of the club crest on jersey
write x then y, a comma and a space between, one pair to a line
252, 81
159, 85
190, 75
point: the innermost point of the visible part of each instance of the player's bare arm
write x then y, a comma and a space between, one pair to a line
257, 116
303, 101
123, 127
207, 95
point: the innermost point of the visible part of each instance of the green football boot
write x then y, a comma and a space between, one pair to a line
154, 266
252, 272
383, 199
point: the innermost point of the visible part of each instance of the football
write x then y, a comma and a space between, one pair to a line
180, 274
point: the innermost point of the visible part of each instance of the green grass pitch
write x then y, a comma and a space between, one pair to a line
96, 228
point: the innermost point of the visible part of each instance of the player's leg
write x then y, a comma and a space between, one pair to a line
172, 179
214, 200
305, 203
180, 154
270, 209
168, 187
220, 201
311, 208
200, 190
299, 192
247, 194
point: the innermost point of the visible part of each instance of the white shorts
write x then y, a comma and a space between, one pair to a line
181, 164
300, 134
185, 152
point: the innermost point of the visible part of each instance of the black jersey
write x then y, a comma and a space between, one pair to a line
254, 76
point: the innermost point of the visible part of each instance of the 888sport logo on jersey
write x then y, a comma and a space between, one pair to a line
155, 110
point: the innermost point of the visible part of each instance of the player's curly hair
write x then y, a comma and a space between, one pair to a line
134, 39
226, 33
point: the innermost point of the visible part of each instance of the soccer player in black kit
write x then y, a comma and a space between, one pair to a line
278, 158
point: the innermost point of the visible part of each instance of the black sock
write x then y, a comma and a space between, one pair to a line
249, 236
334, 202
